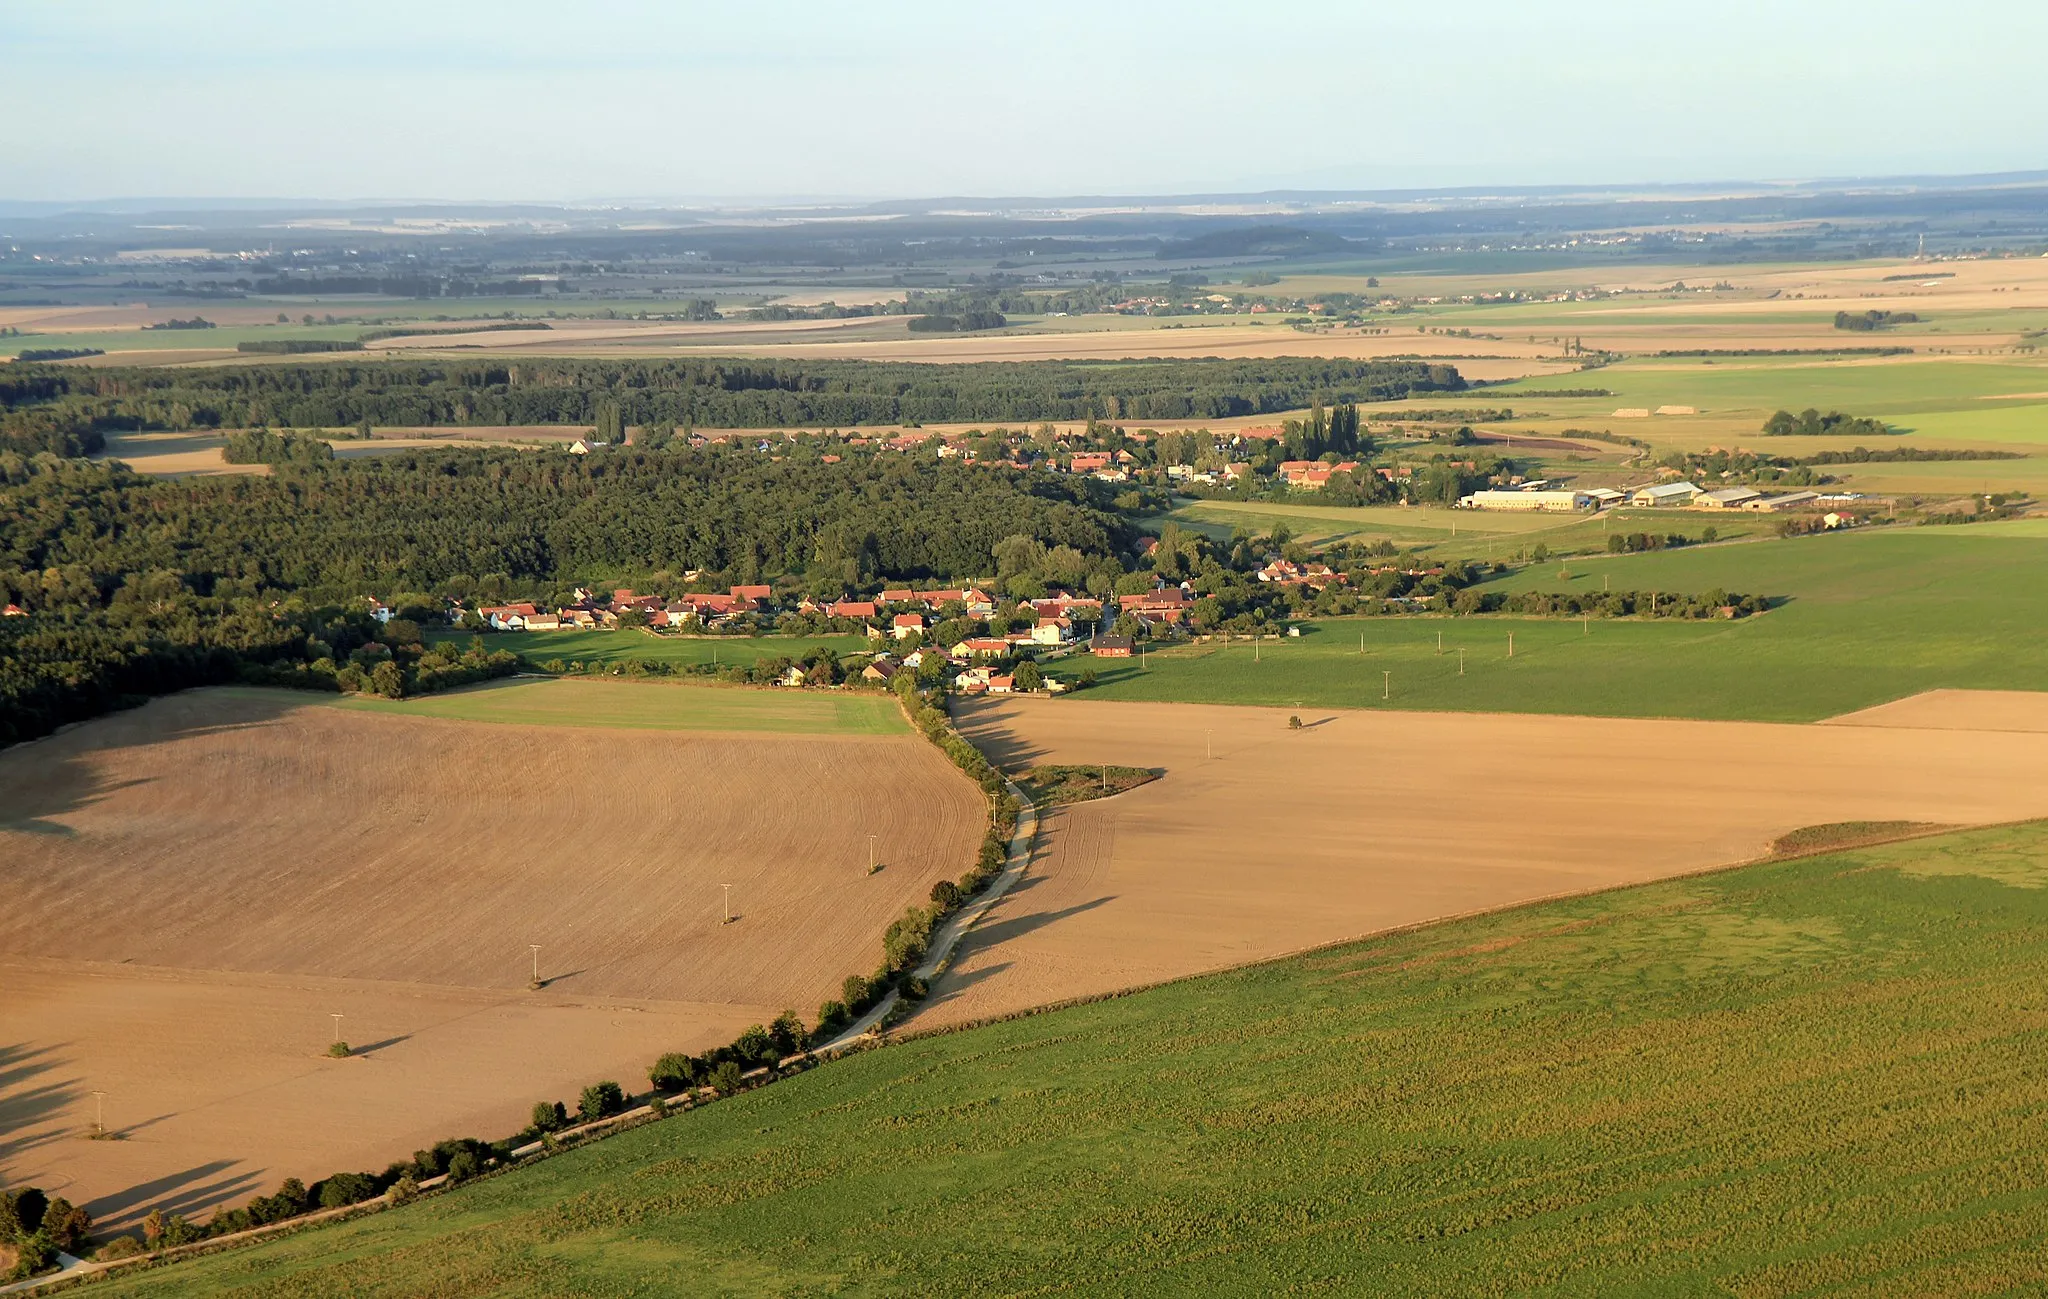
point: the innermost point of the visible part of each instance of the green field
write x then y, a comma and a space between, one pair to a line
1816, 1076
1872, 615
1456, 534
654, 705
618, 646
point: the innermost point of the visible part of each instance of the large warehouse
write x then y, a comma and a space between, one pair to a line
1500, 500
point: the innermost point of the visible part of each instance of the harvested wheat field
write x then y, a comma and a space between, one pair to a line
1957, 710
194, 886
1361, 822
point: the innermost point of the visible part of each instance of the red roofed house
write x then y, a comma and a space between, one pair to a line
898, 595
851, 608
975, 646
906, 624
507, 617
13, 611
1087, 462
757, 593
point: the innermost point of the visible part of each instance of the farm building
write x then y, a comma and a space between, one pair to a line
1559, 501
1604, 497
1789, 501
1725, 498
1665, 494
1110, 647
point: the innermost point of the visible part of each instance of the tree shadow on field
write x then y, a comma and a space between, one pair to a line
46, 779
984, 725
1004, 930
191, 1193
34, 1104
379, 1046
952, 984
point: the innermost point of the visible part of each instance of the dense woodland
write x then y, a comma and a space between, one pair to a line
137, 586
64, 410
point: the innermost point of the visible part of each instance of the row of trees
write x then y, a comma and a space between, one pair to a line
1811, 423
717, 393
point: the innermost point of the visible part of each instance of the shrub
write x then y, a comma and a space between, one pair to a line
726, 1078
21, 1212
550, 1116
464, 1166
673, 1072
33, 1253
945, 895
346, 1188
601, 1100
120, 1247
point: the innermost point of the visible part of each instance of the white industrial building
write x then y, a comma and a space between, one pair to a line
1559, 502
1665, 494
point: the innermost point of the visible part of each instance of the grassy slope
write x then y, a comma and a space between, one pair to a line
661, 706
1875, 615
1825, 1073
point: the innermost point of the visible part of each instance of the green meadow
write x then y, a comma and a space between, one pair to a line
653, 705
626, 643
1816, 1076
1867, 617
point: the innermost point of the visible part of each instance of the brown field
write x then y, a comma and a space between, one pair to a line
174, 455
194, 886
1957, 710
1365, 821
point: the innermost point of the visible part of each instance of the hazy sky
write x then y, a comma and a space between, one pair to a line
613, 99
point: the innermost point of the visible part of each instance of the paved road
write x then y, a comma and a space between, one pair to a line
950, 933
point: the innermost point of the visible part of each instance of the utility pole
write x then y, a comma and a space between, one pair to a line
871, 854
1461, 663
1511, 644
535, 949
728, 904
1439, 641
335, 1015
1105, 778
1386, 685
1208, 746
99, 1113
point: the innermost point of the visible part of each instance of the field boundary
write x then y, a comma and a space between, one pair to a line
1767, 859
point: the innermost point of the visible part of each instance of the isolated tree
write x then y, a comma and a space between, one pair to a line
1028, 677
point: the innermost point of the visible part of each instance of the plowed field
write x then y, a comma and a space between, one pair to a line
1364, 821
394, 869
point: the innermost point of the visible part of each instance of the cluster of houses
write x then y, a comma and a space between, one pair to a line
897, 614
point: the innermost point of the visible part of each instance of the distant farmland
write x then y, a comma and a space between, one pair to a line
1871, 616
1816, 1076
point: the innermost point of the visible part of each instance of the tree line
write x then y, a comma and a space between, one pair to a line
688, 392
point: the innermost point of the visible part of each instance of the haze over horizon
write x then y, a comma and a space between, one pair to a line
466, 102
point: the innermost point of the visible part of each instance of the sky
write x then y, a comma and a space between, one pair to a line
623, 100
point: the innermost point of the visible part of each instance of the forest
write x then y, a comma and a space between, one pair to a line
64, 410
135, 586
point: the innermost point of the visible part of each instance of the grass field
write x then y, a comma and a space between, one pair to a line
1460, 534
1873, 615
1821, 1075
618, 646
655, 706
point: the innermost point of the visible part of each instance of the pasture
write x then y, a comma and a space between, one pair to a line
194, 886
624, 644
1794, 1078
1872, 615
657, 706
